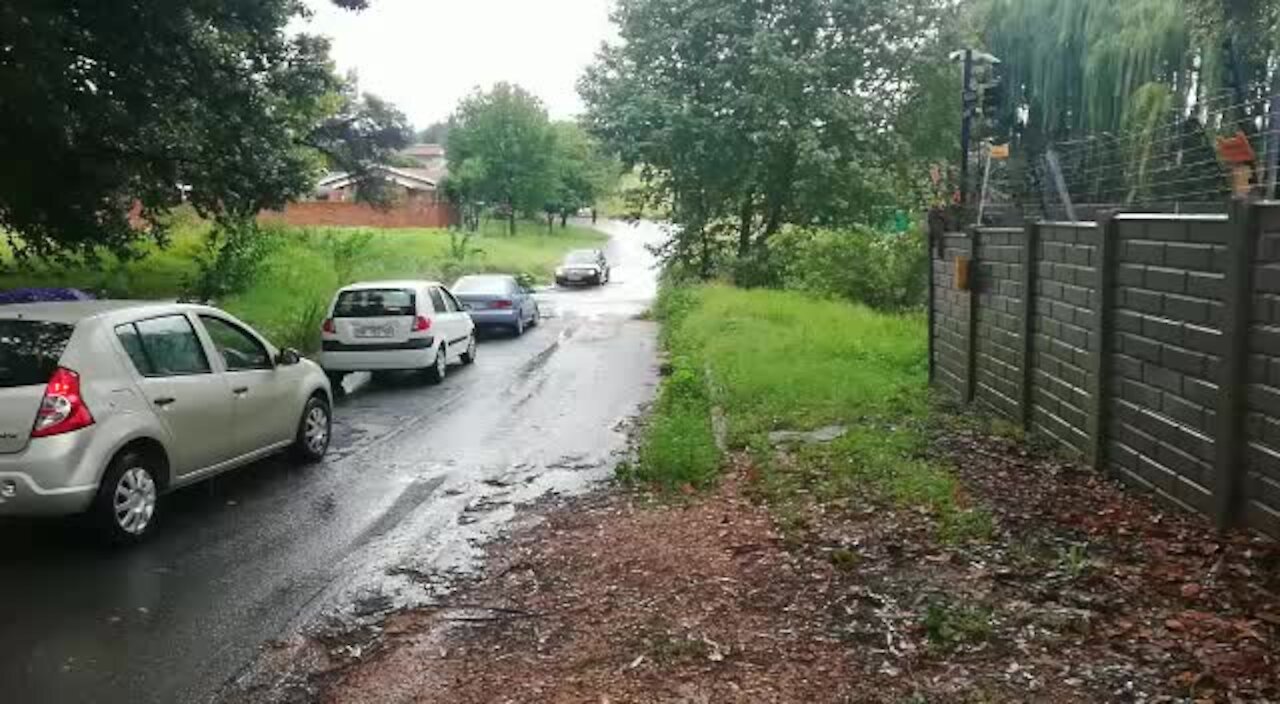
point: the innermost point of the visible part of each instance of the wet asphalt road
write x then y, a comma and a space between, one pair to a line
417, 478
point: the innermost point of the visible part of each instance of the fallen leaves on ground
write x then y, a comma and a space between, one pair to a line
1087, 592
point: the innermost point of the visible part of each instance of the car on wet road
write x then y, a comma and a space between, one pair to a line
107, 405
497, 301
583, 267
386, 326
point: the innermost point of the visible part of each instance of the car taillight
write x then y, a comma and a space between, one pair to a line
62, 410
328, 326
502, 304
421, 324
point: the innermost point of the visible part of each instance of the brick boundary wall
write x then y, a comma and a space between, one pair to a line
349, 214
1148, 344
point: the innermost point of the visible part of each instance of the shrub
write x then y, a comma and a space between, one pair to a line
887, 271
230, 259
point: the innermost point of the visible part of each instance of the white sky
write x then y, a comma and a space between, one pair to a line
424, 55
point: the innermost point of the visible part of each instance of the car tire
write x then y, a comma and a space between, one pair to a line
126, 507
335, 381
315, 430
469, 357
518, 328
537, 317
440, 369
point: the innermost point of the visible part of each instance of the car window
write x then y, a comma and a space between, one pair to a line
30, 350
482, 285
437, 301
240, 350
171, 347
375, 303
451, 302
583, 256
132, 343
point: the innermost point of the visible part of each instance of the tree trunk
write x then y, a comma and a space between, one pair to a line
551, 222
564, 220
746, 215
511, 220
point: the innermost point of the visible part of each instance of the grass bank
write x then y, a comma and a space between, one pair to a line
785, 361
301, 268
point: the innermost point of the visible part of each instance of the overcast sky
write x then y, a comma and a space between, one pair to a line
424, 55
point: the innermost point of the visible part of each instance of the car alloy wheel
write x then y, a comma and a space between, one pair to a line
134, 500
316, 431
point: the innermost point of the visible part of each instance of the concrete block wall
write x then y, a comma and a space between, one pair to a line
1262, 410
1148, 343
950, 317
1066, 282
998, 375
1166, 354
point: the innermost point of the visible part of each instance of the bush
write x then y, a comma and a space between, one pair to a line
230, 259
886, 271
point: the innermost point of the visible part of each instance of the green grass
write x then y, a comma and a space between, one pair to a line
305, 266
786, 361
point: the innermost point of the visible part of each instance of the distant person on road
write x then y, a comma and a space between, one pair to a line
593, 216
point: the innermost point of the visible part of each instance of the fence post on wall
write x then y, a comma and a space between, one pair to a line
1030, 262
1102, 336
1229, 437
971, 341
933, 235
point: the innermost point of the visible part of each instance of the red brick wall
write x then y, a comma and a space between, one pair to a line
346, 214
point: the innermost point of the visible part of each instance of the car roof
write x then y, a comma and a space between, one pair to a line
392, 283
486, 276
72, 312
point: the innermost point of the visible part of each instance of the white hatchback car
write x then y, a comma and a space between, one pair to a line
396, 326
105, 405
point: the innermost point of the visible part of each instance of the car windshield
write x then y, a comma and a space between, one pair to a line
374, 303
30, 350
482, 285
582, 256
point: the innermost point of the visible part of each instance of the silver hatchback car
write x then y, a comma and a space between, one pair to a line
106, 405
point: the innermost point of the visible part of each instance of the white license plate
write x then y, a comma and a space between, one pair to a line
375, 331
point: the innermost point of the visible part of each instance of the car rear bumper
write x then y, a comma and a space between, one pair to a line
54, 476
377, 360
502, 316
584, 281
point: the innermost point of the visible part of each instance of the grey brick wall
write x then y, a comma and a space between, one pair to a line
1148, 410
999, 319
1066, 293
951, 317
1166, 361
1262, 415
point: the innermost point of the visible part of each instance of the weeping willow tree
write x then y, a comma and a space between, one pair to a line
1140, 77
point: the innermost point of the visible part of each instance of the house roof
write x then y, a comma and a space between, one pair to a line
416, 179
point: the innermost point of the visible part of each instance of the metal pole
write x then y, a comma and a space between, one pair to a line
986, 177
966, 125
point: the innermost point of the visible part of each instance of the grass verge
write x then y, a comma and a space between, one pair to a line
776, 360
304, 266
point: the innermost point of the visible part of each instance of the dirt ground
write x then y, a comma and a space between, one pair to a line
1086, 593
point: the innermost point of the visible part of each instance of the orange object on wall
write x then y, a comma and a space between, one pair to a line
962, 273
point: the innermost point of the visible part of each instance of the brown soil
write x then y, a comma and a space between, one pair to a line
1087, 593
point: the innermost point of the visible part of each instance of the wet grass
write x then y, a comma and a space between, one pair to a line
776, 360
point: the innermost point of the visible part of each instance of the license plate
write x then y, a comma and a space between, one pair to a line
375, 331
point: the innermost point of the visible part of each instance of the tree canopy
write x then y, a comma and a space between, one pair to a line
113, 107
746, 116
500, 150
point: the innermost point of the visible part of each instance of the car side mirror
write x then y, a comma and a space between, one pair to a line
288, 357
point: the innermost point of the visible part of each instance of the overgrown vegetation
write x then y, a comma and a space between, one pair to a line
281, 279
785, 361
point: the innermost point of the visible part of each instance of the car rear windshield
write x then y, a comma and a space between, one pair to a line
375, 303
482, 285
583, 257
30, 350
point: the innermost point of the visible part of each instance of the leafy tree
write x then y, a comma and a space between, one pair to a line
110, 106
750, 115
505, 136
582, 172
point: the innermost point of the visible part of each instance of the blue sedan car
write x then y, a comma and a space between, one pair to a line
497, 301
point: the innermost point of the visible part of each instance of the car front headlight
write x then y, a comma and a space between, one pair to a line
559, 271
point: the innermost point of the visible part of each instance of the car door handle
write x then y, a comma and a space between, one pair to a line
240, 390
164, 401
